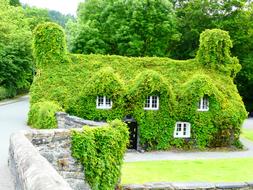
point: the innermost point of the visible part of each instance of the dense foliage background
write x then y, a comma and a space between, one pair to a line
16, 61
161, 28
15, 50
164, 28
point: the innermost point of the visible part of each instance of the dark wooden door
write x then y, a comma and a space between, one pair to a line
132, 126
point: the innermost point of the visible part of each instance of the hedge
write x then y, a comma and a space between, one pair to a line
42, 115
101, 151
76, 83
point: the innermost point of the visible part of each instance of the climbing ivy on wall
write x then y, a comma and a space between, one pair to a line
214, 52
49, 44
155, 132
42, 115
103, 83
128, 81
101, 151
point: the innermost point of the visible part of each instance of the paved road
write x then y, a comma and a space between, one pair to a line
12, 118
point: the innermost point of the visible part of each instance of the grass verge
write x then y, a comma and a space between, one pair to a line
214, 170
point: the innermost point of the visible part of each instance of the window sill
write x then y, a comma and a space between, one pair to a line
182, 137
104, 108
155, 109
203, 110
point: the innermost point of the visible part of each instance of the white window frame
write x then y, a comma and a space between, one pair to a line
202, 106
185, 130
150, 105
104, 105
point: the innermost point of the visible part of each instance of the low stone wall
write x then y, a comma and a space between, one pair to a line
30, 170
191, 186
41, 160
66, 121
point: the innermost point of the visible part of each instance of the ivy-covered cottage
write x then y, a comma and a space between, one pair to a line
166, 103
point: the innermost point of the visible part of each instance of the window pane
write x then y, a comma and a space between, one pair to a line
154, 101
147, 104
205, 103
100, 101
179, 127
108, 102
184, 130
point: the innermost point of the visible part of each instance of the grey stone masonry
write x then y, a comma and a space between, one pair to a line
66, 121
55, 146
30, 170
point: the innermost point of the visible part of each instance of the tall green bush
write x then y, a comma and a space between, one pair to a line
49, 44
15, 49
101, 151
214, 52
42, 115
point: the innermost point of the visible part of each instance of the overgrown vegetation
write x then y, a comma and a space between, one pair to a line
76, 82
101, 151
164, 28
42, 115
15, 50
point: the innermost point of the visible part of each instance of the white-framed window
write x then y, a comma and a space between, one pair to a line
182, 130
152, 103
203, 104
103, 102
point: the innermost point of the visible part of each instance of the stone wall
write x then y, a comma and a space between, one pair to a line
65, 121
30, 170
55, 145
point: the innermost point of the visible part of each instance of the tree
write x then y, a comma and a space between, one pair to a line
197, 15
15, 49
36, 16
15, 2
60, 18
130, 28
233, 16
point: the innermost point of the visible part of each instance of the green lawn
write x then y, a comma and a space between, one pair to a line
248, 134
218, 170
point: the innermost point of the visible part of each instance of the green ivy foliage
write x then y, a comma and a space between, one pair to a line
214, 51
42, 115
129, 80
49, 44
103, 83
154, 130
101, 151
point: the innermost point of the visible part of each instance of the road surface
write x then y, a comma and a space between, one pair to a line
13, 116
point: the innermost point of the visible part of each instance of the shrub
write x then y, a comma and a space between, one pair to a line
214, 52
101, 151
42, 115
3, 93
7, 92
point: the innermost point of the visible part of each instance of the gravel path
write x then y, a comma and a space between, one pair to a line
12, 118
